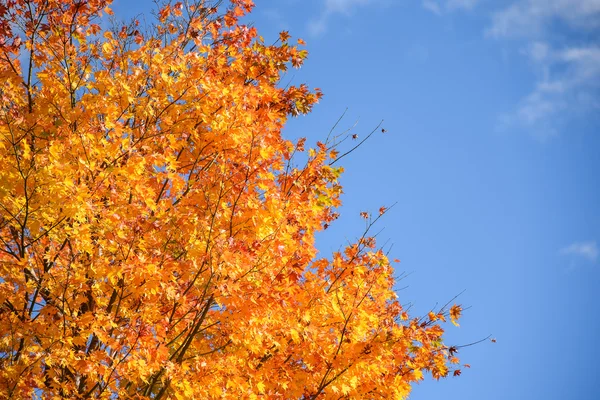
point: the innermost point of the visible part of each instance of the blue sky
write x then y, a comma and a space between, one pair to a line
492, 155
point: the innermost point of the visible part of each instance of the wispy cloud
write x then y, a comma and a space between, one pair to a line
464, 4
535, 17
557, 36
343, 6
438, 7
567, 87
588, 250
319, 25
432, 6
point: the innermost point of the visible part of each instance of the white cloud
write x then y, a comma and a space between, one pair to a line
432, 6
466, 4
536, 107
318, 25
588, 250
439, 6
532, 17
343, 6
538, 51
569, 78
561, 40
585, 61
559, 44
567, 87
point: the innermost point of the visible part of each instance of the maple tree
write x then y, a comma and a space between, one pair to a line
157, 236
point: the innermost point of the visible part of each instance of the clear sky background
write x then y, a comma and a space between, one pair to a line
492, 154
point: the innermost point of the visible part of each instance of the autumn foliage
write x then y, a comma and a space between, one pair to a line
157, 233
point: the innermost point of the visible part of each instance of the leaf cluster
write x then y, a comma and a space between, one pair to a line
156, 234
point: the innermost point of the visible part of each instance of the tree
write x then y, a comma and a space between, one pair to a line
157, 236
